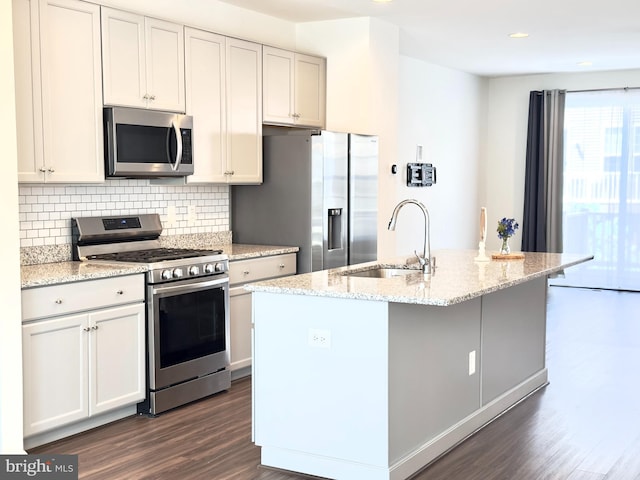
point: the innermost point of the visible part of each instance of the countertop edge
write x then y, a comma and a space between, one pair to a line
69, 272
237, 252
275, 286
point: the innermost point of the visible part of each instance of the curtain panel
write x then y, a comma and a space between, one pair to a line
542, 219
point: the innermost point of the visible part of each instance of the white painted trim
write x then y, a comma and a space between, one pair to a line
10, 327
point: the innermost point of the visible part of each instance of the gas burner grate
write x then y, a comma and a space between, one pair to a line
154, 255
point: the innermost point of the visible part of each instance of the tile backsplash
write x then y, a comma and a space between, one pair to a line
46, 210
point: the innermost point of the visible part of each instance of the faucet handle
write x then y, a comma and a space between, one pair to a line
428, 265
421, 260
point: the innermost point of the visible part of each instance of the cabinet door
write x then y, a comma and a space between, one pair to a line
71, 91
205, 96
278, 90
244, 111
54, 354
123, 58
240, 273
310, 90
241, 324
164, 43
26, 44
117, 354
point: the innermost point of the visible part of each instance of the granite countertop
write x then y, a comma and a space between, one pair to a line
43, 274
66, 272
457, 278
239, 251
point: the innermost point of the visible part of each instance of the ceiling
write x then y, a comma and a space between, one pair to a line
473, 35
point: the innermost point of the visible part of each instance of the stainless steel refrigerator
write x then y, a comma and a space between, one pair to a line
319, 193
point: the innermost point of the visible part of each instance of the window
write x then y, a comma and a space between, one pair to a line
601, 186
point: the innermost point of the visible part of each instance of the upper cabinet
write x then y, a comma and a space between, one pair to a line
73, 57
58, 91
244, 112
142, 61
205, 55
294, 90
224, 95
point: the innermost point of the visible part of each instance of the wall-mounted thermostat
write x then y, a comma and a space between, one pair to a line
420, 174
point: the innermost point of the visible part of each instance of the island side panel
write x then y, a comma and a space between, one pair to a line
513, 336
320, 384
433, 386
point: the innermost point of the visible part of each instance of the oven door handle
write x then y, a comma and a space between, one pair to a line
190, 287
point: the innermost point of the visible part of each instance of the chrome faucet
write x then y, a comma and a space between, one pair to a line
426, 262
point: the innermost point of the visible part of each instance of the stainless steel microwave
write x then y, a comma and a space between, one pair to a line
147, 144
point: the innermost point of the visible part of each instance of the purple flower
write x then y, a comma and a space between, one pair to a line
507, 227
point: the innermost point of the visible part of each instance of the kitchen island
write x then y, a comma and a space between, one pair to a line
374, 378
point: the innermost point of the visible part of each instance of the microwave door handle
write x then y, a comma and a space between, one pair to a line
176, 129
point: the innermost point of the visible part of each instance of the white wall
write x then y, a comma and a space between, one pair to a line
443, 110
10, 329
503, 189
362, 90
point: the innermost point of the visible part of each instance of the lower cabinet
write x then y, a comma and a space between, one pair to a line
242, 272
240, 310
83, 364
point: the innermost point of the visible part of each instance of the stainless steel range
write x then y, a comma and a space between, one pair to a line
187, 297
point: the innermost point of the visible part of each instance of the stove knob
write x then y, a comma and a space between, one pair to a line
166, 274
177, 273
208, 268
194, 270
219, 267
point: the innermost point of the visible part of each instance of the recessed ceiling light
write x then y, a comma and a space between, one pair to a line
585, 64
382, 1
518, 35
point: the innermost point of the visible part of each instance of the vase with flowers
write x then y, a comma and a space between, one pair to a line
506, 229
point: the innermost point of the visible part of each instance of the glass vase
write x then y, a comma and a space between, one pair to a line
505, 249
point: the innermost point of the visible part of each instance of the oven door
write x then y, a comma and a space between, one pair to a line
188, 333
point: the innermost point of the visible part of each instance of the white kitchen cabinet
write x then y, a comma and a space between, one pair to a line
143, 61
224, 95
78, 364
240, 336
58, 82
205, 68
244, 112
294, 90
242, 272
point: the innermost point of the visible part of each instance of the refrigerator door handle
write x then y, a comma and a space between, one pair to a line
334, 229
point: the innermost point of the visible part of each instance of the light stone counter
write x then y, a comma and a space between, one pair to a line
457, 278
66, 272
42, 274
239, 251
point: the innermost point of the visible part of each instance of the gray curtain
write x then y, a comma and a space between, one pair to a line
542, 221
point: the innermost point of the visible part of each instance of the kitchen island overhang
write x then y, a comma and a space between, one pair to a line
375, 378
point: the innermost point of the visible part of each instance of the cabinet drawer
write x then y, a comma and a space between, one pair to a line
245, 271
75, 297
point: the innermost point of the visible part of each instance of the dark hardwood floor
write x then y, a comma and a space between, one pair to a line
585, 425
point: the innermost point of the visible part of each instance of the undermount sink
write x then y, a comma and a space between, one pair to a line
382, 272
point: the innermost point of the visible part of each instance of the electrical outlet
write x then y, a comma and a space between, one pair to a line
319, 338
472, 362
191, 215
